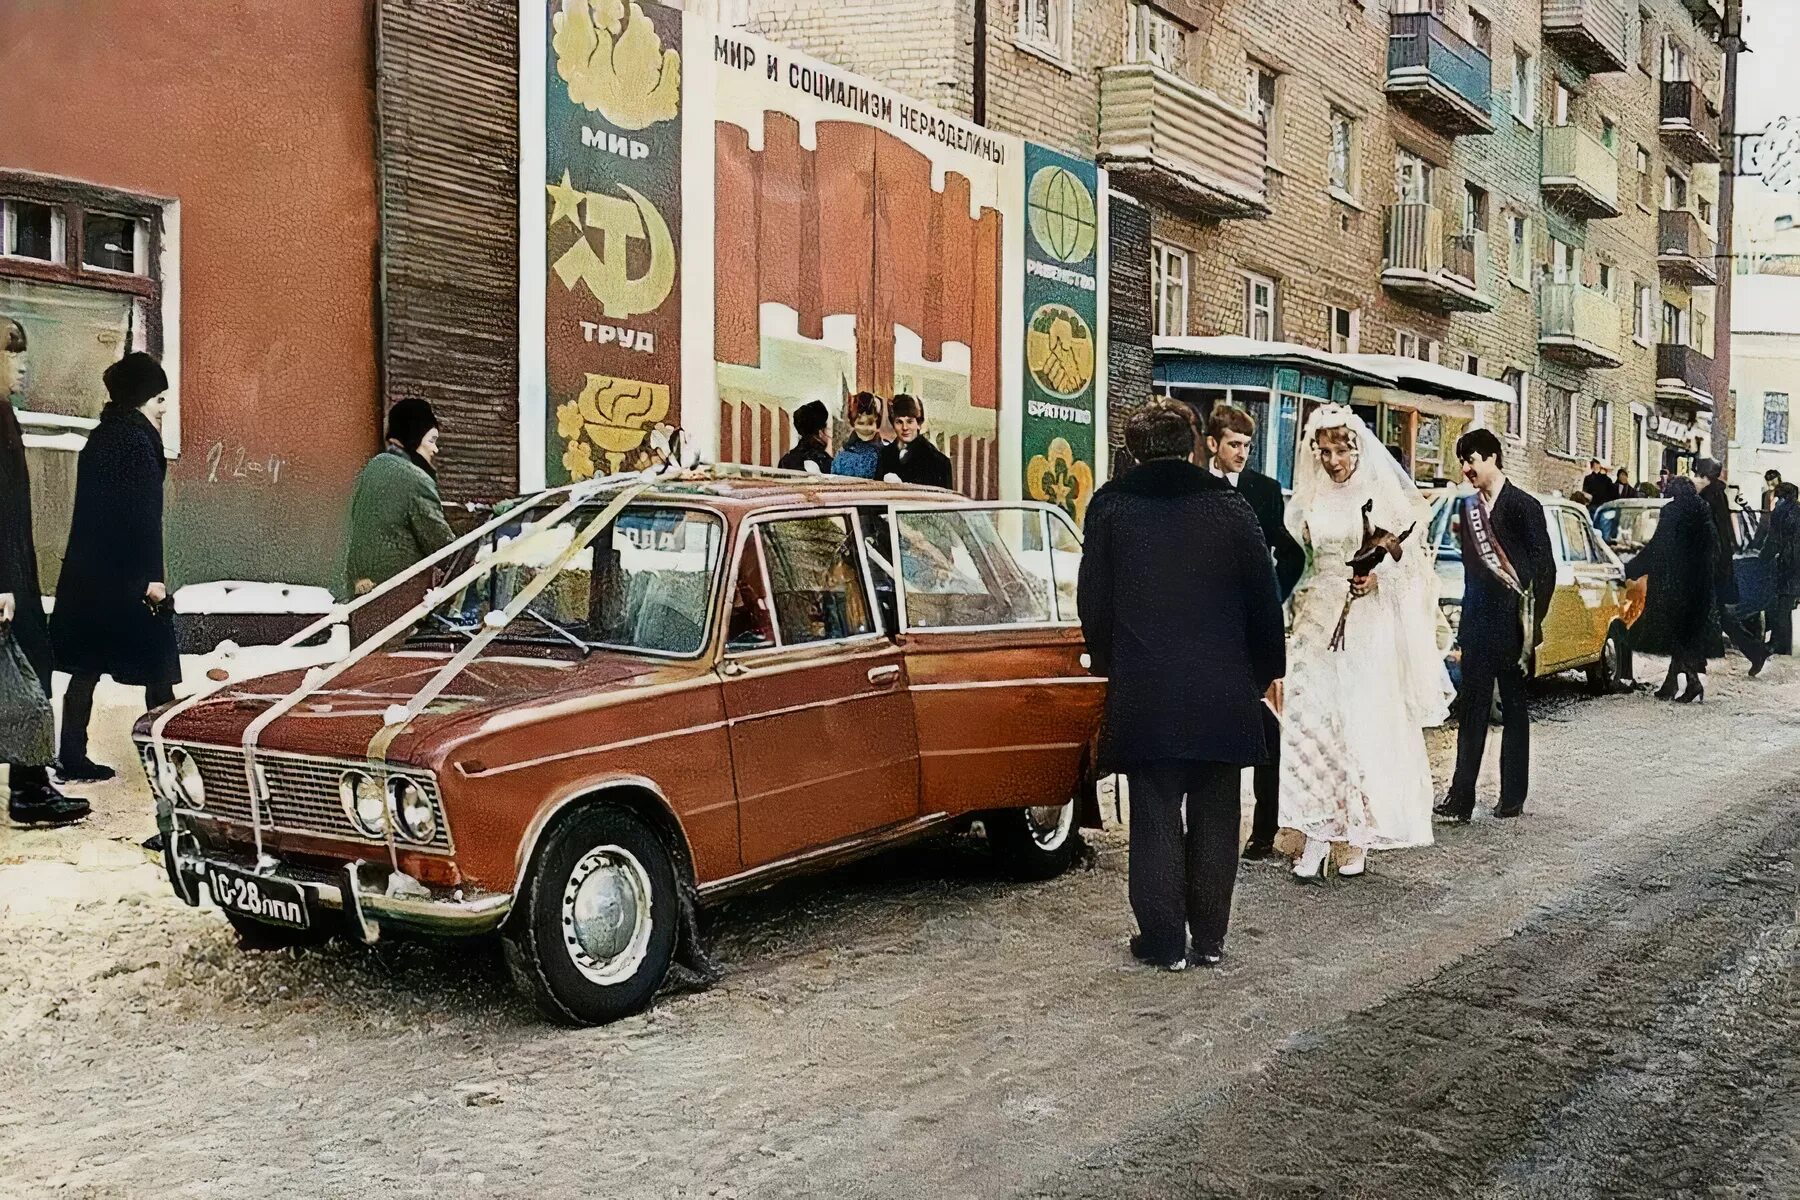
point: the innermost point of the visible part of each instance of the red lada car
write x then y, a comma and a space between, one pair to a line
743, 676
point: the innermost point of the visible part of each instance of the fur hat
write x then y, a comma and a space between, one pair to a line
811, 418
409, 421
904, 405
1707, 468
865, 404
135, 379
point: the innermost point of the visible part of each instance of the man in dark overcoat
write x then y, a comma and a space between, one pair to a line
32, 799
1507, 561
910, 457
1725, 589
1781, 547
1229, 434
1179, 605
112, 612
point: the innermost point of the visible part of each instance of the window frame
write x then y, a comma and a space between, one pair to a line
1141, 19
1518, 250
1161, 254
1340, 118
1786, 412
1269, 114
1057, 43
1352, 339
1519, 380
1045, 511
1643, 313
751, 527
1525, 84
1569, 434
1251, 281
1603, 430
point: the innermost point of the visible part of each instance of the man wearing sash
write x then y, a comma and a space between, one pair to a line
1509, 576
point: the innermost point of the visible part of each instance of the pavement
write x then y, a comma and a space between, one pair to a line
1596, 1000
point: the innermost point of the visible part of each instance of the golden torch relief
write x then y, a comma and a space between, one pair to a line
612, 416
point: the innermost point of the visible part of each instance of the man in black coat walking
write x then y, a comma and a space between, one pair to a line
910, 457
1781, 548
1599, 486
1178, 603
32, 799
1229, 434
112, 602
1509, 574
1725, 589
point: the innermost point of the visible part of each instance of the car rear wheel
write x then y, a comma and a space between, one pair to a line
1034, 843
1604, 675
600, 914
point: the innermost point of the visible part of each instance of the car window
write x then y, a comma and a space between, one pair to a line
815, 580
1445, 528
752, 615
1607, 522
1065, 563
1575, 536
960, 569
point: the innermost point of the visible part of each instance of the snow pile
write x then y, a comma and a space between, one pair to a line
241, 596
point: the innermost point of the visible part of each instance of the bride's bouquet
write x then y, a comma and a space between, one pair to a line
1377, 543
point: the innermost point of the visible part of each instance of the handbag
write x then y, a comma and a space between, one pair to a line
27, 722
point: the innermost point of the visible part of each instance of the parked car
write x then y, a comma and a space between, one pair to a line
1583, 630
747, 676
1628, 525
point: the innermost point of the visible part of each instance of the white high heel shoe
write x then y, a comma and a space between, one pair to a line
1310, 866
1356, 863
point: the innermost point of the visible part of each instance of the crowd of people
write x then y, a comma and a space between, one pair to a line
1302, 642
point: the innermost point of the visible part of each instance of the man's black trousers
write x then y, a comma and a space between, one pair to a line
1480, 675
1184, 855
1265, 783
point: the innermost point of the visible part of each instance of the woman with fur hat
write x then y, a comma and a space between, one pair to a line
813, 453
911, 458
112, 613
396, 517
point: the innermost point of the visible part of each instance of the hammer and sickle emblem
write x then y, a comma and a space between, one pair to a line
604, 274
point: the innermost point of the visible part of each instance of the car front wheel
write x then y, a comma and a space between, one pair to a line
1034, 843
1604, 675
599, 921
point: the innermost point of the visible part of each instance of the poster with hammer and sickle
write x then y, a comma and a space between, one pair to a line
613, 299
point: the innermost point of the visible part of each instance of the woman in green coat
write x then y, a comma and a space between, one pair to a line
396, 517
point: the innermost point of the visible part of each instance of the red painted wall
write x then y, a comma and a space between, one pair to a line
258, 118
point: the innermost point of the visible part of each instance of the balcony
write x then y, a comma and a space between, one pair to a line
1581, 174
1161, 135
1684, 251
1690, 123
1710, 14
1446, 79
1580, 326
1683, 376
1594, 34
1433, 269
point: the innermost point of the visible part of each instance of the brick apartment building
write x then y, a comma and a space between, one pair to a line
1524, 190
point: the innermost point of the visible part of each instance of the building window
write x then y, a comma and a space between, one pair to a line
1565, 262
1518, 250
1471, 364
1605, 278
1171, 286
1259, 308
1603, 431
1646, 41
1675, 192
1406, 343
1475, 209
1524, 87
1775, 419
30, 230
1559, 419
110, 242
1562, 105
1262, 94
1343, 153
1646, 196
1515, 379
1609, 134
1044, 25
1674, 324
1704, 209
1154, 38
1412, 178
1675, 61
1643, 314
1481, 32
1346, 329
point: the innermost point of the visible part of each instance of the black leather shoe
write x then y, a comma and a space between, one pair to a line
1258, 849
1452, 813
1167, 964
1508, 813
44, 805
83, 770
1756, 667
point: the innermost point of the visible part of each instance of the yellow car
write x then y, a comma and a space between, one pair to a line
1584, 630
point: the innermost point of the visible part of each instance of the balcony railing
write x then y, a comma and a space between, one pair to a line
1181, 142
1444, 76
1581, 173
1684, 250
1690, 123
1683, 373
1594, 33
1580, 326
1435, 269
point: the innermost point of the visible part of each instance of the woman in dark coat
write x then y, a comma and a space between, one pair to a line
1679, 561
32, 800
112, 604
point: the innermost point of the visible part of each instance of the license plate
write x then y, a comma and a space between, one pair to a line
275, 901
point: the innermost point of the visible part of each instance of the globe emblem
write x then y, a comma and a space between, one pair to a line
1063, 219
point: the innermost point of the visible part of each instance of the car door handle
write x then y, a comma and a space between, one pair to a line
882, 676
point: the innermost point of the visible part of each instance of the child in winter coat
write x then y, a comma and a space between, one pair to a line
858, 456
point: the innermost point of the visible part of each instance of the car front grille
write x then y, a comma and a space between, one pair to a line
302, 793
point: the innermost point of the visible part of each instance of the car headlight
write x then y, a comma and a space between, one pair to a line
189, 787
413, 810
363, 804
153, 774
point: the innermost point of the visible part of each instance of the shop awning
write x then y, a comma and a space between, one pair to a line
1419, 381
1273, 354
1429, 378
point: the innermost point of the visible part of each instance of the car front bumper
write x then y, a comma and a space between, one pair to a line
371, 896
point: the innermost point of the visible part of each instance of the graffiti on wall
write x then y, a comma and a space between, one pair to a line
613, 238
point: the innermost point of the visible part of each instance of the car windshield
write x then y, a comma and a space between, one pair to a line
1628, 526
644, 584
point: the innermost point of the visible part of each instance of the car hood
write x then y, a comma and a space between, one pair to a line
339, 720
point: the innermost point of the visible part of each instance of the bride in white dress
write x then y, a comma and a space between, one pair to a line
1354, 768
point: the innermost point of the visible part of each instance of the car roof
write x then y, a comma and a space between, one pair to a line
745, 489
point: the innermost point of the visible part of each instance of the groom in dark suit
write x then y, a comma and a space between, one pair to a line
1509, 576
1229, 435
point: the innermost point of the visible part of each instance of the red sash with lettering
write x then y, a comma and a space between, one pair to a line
1480, 523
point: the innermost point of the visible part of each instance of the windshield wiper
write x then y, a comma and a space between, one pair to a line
561, 630
451, 626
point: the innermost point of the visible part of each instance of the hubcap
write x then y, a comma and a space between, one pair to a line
1610, 654
1050, 826
606, 918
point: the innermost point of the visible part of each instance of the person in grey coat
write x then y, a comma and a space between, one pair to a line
1180, 609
